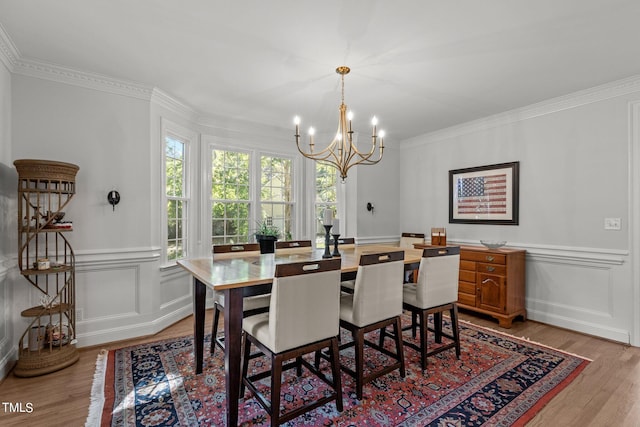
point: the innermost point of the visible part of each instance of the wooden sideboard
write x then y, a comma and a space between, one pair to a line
492, 282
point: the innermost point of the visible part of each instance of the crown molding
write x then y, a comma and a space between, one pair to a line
57, 73
584, 97
164, 100
8, 51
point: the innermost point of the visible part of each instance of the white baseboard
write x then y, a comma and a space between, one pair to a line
8, 362
620, 335
134, 330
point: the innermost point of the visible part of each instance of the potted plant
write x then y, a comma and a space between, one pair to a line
266, 235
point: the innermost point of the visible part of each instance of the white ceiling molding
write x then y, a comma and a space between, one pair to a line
10, 56
588, 96
8, 51
163, 99
42, 70
243, 128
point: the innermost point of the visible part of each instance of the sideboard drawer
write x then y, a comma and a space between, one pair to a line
467, 265
467, 276
500, 270
482, 256
467, 299
467, 288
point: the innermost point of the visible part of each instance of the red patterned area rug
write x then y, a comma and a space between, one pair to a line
499, 380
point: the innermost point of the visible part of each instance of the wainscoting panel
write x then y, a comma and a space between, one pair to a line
571, 290
586, 291
107, 291
124, 294
175, 288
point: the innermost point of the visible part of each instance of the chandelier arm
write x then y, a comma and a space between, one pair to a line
354, 151
319, 154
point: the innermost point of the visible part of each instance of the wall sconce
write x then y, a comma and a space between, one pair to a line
370, 207
114, 198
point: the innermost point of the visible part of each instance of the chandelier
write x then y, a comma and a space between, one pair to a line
341, 153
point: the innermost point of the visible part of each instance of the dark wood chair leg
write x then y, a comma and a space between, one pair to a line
299, 366
316, 362
414, 321
276, 379
455, 329
423, 339
358, 338
383, 335
397, 330
335, 371
437, 326
214, 329
245, 362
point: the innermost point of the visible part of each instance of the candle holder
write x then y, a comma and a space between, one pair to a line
335, 245
327, 243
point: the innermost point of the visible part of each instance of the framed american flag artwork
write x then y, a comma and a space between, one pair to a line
484, 194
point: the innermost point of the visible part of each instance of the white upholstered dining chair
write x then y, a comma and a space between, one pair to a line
435, 292
292, 246
250, 305
376, 302
302, 318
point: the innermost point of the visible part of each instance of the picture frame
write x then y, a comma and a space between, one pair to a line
485, 194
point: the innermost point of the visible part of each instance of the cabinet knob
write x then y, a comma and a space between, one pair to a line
490, 258
490, 268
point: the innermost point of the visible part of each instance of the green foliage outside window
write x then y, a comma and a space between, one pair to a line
276, 197
175, 193
230, 197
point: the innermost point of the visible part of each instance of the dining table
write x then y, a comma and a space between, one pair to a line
239, 275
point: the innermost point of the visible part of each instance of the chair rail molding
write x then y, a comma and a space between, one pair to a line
376, 240
118, 256
561, 254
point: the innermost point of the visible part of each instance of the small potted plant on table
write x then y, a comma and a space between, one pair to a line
266, 235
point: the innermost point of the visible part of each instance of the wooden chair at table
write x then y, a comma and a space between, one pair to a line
251, 305
375, 304
292, 246
407, 241
345, 243
435, 292
303, 318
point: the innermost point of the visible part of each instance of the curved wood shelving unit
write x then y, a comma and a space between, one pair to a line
44, 189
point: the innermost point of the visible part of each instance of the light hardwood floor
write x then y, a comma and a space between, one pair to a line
607, 393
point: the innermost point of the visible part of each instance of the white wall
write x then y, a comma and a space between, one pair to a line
574, 171
107, 135
8, 221
377, 184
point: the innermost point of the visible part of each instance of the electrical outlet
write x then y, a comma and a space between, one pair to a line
612, 223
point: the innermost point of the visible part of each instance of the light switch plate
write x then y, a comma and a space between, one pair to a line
612, 223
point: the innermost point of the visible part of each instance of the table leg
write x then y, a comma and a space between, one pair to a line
199, 300
232, 351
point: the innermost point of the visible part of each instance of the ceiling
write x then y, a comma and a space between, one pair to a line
418, 65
